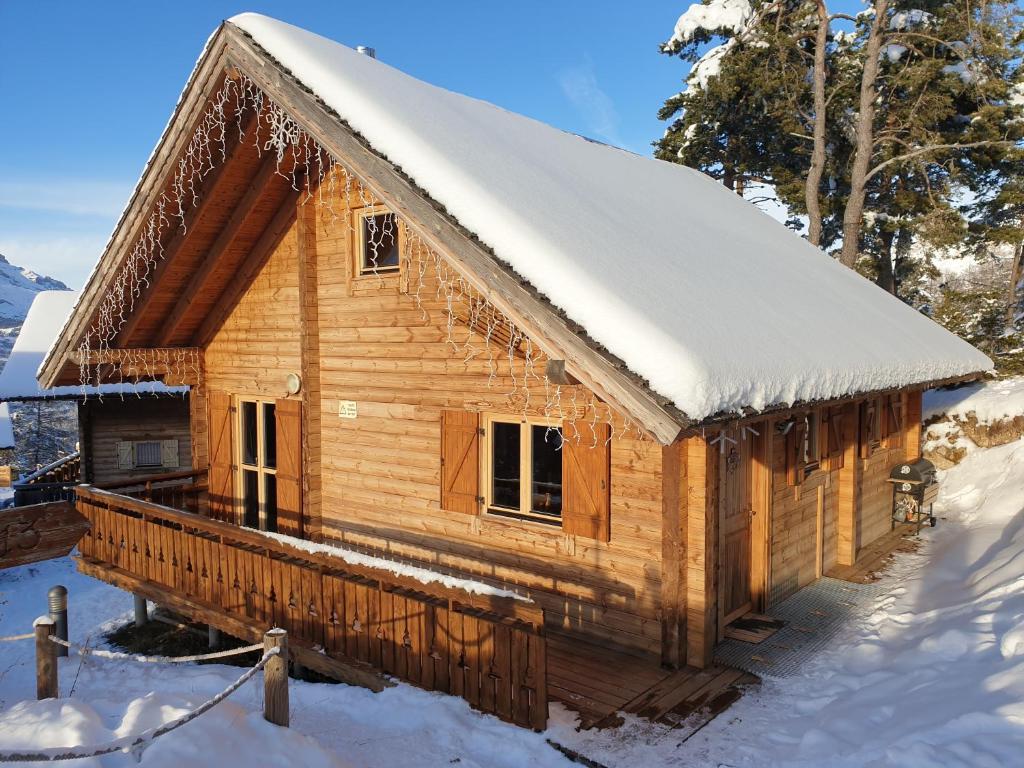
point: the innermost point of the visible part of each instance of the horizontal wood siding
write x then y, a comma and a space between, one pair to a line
381, 472
114, 420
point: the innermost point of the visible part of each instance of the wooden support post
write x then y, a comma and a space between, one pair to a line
46, 658
912, 413
275, 679
141, 611
762, 456
57, 602
701, 560
309, 330
673, 556
846, 511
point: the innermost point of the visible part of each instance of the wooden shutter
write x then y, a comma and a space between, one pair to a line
892, 421
460, 461
169, 453
795, 453
221, 475
288, 415
586, 484
834, 439
868, 414
125, 455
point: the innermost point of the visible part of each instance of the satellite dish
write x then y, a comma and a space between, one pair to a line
292, 384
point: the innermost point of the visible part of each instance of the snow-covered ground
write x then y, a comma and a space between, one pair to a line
934, 676
989, 401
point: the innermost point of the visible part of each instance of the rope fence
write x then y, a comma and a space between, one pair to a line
13, 638
104, 654
50, 633
135, 744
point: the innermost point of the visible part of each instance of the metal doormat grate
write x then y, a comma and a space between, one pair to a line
813, 616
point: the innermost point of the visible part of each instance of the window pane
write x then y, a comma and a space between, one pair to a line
505, 465
250, 498
270, 502
269, 436
546, 471
148, 454
380, 242
249, 433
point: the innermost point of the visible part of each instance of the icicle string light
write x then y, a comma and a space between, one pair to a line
473, 326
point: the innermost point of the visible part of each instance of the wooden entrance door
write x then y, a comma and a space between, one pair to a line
735, 510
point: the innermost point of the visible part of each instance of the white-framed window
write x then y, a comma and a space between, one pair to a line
522, 468
377, 246
256, 430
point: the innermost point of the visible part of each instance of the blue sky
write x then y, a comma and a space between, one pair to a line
88, 88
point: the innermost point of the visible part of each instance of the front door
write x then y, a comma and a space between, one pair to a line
736, 452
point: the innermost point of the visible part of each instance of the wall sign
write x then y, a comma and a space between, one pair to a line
347, 409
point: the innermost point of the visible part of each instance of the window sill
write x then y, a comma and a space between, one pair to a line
519, 517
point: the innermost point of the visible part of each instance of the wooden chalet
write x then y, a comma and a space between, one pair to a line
127, 429
424, 455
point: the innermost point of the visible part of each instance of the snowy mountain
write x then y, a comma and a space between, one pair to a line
18, 287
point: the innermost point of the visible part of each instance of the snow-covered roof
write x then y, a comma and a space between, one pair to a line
42, 326
6, 427
717, 305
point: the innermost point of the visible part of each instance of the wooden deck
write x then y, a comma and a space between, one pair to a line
873, 559
599, 682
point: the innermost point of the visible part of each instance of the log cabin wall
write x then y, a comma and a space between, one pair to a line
381, 471
799, 552
114, 421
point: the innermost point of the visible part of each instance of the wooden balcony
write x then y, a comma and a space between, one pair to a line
350, 621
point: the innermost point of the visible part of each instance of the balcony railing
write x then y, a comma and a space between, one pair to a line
488, 649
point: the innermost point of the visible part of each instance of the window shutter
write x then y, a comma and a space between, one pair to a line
836, 454
288, 415
794, 453
169, 453
460, 461
125, 459
586, 484
221, 475
867, 417
892, 421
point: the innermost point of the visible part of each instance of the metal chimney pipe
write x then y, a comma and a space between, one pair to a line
367, 51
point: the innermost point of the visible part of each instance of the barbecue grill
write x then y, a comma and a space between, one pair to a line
915, 489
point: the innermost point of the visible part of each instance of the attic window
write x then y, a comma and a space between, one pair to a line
378, 242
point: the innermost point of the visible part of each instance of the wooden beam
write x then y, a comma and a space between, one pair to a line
849, 475
701, 551
912, 414
309, 335
161, 363
761, 521
213, 184
242, 210
555, 336
248, 269
673, 555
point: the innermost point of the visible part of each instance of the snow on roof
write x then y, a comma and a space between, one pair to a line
6, 427
713, 302
46, 317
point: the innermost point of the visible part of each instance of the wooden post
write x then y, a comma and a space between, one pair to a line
46, 659
701, 551
141, 611
275, 679
673, 555
846, 512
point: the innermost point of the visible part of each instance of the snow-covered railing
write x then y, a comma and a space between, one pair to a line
64, 469
457, 636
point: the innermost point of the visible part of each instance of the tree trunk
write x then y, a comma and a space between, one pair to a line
853, 216
886, 277
812, 186
1013, 292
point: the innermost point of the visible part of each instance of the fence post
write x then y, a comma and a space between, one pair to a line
46, 659
141, 611
275, 678
57, 600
